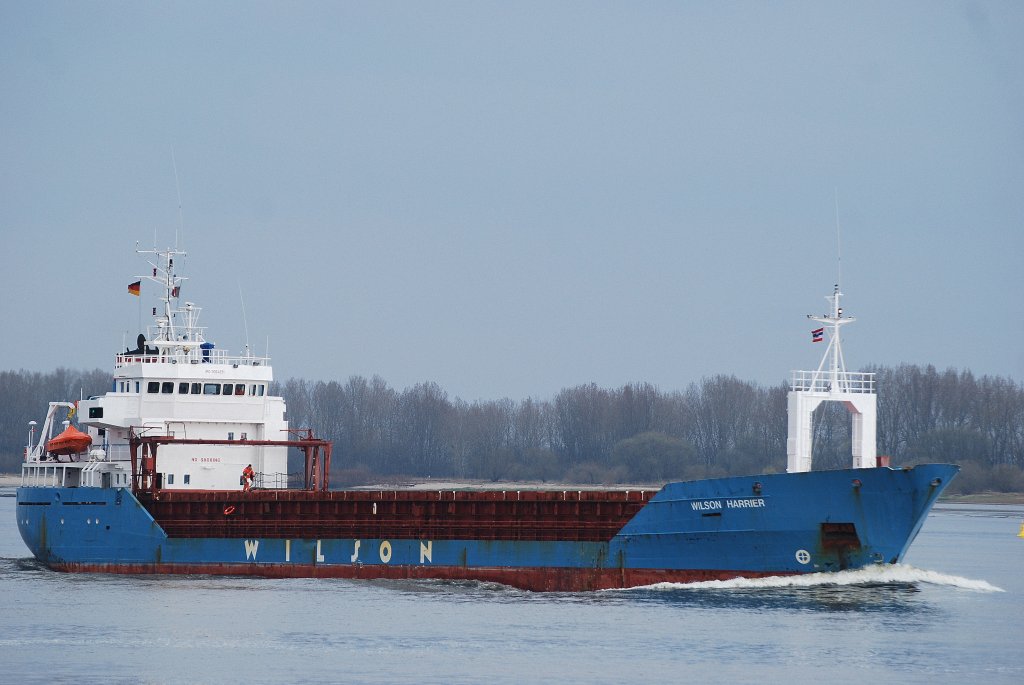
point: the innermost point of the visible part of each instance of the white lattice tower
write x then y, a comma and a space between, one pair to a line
831, 382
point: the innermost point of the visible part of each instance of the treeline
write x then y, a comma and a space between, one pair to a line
636, 433
24, 397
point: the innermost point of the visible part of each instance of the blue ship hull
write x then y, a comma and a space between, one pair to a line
749, 526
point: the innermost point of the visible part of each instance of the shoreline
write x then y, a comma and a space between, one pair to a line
13, 480
985, 498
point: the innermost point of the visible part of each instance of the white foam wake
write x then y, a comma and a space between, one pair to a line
869, 575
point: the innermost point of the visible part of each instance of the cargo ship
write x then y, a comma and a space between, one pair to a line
182, 468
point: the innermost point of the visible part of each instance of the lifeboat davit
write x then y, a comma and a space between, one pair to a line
71, 441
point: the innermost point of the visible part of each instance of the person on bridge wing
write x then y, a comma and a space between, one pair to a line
248, 476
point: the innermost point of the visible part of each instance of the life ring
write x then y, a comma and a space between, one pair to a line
229, 510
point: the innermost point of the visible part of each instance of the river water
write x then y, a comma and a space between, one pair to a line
953, 613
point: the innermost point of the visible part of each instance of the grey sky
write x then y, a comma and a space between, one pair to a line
512, 198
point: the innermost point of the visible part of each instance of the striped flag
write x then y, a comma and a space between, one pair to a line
818, 335
135, 288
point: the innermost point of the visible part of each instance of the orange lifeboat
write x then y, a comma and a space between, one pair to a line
71, 441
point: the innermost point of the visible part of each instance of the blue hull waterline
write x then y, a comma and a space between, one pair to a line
720, 528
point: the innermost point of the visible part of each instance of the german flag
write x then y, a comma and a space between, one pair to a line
135, 288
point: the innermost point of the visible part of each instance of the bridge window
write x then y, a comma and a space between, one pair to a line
211, 388
182, 388
170, 479
167, 387
153, 386
228, 388
240, 389
196, 388
261, 390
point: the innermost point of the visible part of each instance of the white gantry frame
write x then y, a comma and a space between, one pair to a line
831, 383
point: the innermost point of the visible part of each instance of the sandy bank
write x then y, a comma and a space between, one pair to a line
985, 498
442, 484
496, 485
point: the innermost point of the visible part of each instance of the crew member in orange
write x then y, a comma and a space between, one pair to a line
248, 476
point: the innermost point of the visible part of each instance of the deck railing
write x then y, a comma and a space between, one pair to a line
217, 357
826, 381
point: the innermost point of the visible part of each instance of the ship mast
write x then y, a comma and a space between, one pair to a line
170, 335
836, 371
831, 382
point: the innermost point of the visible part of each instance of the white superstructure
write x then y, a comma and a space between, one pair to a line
176, 384
831, 382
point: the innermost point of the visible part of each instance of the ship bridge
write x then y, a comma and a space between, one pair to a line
175, 384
